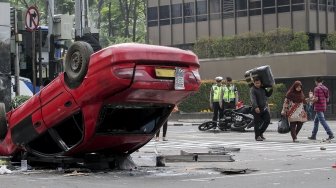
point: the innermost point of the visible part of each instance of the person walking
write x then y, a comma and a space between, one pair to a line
321, 96
164, 128
293, 109
310, 105
229, 96
215, 95
259, 96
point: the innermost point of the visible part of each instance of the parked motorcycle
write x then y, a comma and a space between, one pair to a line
234, 119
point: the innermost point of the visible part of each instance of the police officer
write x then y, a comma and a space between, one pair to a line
230, 95
215, 94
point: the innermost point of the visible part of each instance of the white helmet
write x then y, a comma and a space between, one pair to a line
219, 78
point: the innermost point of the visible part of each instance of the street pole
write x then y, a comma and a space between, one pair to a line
40, 56
34, 62
17, 61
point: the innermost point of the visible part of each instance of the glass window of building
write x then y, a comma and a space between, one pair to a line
214, 7
330, 5
241, 8
269, 10
268, 3
283, 2
268, 6
228, 5
297, 2
202, 10
254, 7
313, 5
189, 12
164, 12
283, 6
228, 9
164, 15
298, 5
253, 4
176, 13
152, 13
152, 16
241, 5
322, 5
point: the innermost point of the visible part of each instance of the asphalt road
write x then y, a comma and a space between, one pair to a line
276, 162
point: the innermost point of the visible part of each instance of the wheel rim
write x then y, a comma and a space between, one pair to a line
76, 61
206, 126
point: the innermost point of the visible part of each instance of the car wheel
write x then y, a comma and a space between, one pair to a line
3, 121
77, 61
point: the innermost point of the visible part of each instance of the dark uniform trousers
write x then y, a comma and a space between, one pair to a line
261, 121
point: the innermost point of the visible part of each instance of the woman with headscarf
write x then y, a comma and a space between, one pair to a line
293, 109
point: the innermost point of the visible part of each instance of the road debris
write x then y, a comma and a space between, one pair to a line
4, 170
227, 149
185, 156
232, 171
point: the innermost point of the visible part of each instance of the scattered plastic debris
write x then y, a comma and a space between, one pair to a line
231, 171
4, 170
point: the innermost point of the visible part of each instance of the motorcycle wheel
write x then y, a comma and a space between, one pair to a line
207, 125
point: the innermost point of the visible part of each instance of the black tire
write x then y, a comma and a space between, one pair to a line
207, 125
77, 61
3, 121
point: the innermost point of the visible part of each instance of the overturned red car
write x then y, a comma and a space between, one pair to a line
110, 102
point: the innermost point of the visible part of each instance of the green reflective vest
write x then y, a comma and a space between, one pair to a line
229, 93
216, 93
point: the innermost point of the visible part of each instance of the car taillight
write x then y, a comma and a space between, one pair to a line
127, 73
124, 73
197, 75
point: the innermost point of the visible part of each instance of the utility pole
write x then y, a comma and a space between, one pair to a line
34, 61
81, 19
16, 60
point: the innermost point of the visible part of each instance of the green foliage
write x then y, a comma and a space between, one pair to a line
200, 101
18, 100
125, 21
331, 41
276, 41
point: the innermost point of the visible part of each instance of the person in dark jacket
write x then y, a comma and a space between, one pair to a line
262, 118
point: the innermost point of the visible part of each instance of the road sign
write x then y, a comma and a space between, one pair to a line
32, 18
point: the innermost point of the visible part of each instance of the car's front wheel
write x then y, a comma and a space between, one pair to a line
77, 62
3, 121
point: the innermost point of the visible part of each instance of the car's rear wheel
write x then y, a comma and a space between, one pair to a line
77, 62
3, 121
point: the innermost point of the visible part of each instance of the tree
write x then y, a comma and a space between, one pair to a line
122, 20
118, 20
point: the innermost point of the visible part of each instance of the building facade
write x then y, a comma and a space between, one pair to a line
180, 23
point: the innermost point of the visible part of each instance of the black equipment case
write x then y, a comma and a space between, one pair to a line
263, 72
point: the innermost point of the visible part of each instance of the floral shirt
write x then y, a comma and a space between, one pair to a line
294, 111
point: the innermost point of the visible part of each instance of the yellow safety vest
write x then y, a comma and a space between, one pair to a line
216, 93
229, 93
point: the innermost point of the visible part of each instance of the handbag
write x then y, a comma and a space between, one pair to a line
283, 125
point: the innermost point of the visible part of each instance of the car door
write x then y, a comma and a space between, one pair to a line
57, 104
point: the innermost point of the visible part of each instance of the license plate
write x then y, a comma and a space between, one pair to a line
179, 79
165, 73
